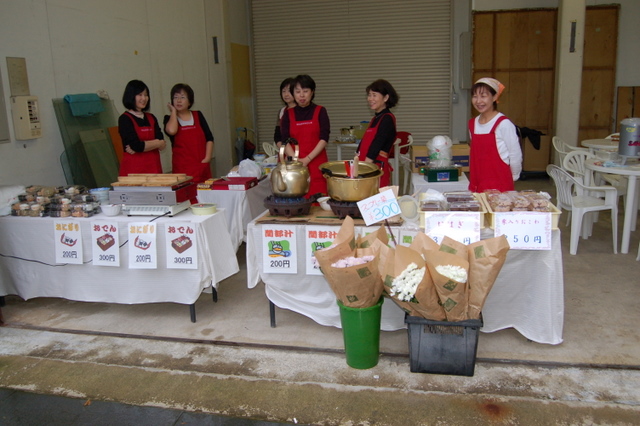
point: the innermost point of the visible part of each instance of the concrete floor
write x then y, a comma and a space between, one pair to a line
232, 363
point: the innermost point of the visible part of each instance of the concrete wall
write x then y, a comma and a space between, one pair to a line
82, 46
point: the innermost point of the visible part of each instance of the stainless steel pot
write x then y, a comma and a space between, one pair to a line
290, 179
343, 188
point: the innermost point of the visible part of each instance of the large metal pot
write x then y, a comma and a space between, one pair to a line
290, 179
343, 188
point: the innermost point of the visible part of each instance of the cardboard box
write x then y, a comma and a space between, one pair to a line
419, 153
460, 155
235, 183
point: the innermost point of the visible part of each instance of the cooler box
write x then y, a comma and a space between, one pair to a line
235, 183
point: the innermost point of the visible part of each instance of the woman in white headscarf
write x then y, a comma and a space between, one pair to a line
495, 157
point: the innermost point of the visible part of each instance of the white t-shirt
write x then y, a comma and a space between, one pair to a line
507, 141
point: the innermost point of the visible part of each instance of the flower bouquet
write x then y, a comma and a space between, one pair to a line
353, 273
408, 283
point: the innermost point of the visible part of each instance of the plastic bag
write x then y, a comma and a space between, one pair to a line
249, 168
440, 154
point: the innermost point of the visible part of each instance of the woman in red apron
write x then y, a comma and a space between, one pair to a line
289, 102
495, 157
142, 138
308, 123
191, 138
379, 137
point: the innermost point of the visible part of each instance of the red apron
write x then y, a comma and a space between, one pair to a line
142, 162
487, 169
307, 133
189, 148
382, 160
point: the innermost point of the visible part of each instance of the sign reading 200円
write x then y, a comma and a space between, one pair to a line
279, 251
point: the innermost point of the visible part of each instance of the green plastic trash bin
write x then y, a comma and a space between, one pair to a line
361, 332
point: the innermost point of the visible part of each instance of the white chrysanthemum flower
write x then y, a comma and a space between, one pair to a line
456, 273
405, 285
352, 261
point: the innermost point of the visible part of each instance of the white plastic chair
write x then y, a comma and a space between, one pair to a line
563, 148
581, 203
269, 148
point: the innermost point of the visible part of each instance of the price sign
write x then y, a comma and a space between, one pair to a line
105, 243
279, 251
525, 230
143, 253
68, 241
379, 207
317, 238
461, 226
182, 245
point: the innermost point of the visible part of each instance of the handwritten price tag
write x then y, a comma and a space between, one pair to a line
525, 230
379, 207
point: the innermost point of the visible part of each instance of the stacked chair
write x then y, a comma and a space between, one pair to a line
578, 199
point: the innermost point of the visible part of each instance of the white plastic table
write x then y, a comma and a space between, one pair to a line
632, 170
600, 144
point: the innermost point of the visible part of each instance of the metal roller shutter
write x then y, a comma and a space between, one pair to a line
345, 45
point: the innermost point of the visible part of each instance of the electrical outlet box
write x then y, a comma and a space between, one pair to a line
26, 117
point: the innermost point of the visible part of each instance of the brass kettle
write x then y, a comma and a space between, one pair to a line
290, 178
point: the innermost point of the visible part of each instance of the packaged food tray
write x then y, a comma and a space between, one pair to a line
491, 215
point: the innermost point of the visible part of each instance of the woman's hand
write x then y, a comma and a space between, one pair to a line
129, 150
305, 161
172, 109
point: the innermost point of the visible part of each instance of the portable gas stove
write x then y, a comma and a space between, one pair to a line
343, 209
289, 206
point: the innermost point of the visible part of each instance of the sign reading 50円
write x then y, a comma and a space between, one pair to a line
143, 253
525, 230
279, 251
68, 241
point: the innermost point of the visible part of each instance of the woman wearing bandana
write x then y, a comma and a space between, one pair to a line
495, 157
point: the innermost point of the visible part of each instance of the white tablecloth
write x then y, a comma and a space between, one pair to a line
528, 294
419, 184
32, 239
241, 207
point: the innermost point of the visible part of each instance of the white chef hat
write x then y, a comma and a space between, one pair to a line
493, 83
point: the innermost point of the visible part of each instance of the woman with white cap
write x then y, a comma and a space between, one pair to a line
495, 157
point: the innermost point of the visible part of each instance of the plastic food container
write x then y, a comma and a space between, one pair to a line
204, 209
111, 209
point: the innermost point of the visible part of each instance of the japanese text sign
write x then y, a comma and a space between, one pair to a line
143, 253
525, 230
182, 245
68, 241
317, 238
463, 227
379, 207
279, 251
105, 243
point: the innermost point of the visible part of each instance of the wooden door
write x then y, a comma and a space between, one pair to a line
518, 47
597, 115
